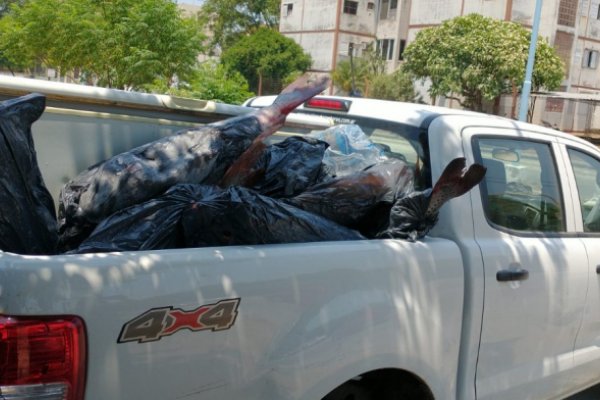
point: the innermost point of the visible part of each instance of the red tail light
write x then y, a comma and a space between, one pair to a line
328, 104
42, 358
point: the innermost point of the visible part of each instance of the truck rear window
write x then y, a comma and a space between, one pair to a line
399, 141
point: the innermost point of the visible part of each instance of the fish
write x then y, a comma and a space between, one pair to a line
413, 215
193, 215
199, 155
351, 199
243, 172
280, 170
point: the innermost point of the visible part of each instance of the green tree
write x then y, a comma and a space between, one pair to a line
346, 75
265, 56
229, 20
6, 4
210, 81
479, 59
119, 43
28, 33
361, 72
397, 86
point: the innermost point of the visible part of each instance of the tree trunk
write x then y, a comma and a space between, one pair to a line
496, 109
479, 105
513, 108
260, 83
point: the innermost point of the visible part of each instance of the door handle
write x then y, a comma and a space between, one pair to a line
507, 275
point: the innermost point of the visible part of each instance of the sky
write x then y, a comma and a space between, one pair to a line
194, 2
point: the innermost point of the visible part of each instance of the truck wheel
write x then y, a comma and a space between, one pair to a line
349, 391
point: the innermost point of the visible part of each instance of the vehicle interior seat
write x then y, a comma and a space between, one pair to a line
500, 209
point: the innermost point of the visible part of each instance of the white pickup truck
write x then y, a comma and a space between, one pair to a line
500, 301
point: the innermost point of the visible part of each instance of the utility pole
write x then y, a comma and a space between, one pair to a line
524, 106
354, 92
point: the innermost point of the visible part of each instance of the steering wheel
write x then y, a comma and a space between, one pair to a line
533, 215
529, 215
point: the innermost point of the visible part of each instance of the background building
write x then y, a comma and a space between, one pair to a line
326, 28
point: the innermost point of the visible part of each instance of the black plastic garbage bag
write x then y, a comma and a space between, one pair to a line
413, 216
283, 169
290, 167
151, 225
349, 200
195, 156
27, 214
190, 215
238, 216
408, 218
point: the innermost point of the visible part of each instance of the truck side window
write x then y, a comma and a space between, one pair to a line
521, 189
587, 176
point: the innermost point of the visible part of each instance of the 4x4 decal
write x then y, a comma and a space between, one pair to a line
156, 323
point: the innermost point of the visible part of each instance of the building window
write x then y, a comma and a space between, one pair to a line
370, 6
567, 12
388, 9
401, 49
287, 9
383, 11
385, 48
590, 59
350, 7
390, 55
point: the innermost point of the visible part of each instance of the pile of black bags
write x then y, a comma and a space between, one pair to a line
284, 195
211, 187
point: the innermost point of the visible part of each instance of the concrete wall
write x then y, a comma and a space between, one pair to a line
522, 11
319, 45
489, 8
432, 12
312, 24
308, 15
363, 22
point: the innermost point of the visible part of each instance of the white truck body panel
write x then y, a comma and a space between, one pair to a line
309, 314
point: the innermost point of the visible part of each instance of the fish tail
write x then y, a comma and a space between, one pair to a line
272, 118
454, 182
298, 92
241, 172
